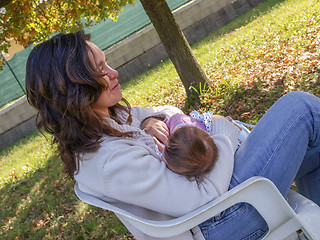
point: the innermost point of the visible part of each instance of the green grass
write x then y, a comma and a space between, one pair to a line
269, 51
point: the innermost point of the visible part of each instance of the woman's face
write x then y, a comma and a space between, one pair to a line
112, 95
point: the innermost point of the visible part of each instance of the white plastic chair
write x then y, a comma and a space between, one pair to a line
284, 218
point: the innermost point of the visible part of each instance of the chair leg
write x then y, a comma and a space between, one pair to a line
293, 236
308, 214
302, 236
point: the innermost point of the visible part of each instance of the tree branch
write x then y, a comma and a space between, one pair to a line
4, 2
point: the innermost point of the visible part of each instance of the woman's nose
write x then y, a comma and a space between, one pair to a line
112, 73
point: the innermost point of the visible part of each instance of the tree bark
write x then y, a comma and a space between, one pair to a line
176, 45
4, 2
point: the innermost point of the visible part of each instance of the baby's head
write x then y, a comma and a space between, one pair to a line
190, 152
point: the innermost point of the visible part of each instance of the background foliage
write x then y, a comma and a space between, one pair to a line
34, 21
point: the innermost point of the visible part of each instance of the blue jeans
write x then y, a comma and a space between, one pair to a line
284, 147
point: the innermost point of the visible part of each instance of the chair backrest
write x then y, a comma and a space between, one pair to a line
260, 192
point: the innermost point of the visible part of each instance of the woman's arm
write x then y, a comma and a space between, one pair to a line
133, 175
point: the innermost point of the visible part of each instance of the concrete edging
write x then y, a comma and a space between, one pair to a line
17, 121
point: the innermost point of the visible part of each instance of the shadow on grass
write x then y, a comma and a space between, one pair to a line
250, 103
43, 205
238, 102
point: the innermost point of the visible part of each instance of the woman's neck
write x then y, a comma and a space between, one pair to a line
103, 112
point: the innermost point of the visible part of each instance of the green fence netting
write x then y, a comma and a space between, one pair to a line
12, 79
104, 34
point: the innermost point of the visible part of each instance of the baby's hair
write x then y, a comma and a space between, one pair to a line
191, 152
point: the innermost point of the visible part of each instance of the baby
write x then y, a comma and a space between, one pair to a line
191, 150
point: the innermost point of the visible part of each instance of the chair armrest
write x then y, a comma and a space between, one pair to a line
257, 191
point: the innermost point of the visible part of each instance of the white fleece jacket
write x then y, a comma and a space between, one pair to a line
127, 173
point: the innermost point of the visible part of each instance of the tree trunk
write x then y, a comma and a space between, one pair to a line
4, 2
175, 43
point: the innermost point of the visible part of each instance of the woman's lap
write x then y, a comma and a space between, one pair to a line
286, 137
240, 222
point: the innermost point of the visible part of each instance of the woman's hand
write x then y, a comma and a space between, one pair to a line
158, 130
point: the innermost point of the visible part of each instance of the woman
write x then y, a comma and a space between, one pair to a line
100, 141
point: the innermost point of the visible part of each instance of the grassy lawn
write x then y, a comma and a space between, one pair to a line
252, 61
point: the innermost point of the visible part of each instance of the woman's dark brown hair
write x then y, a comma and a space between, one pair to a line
62, 84
191, 152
